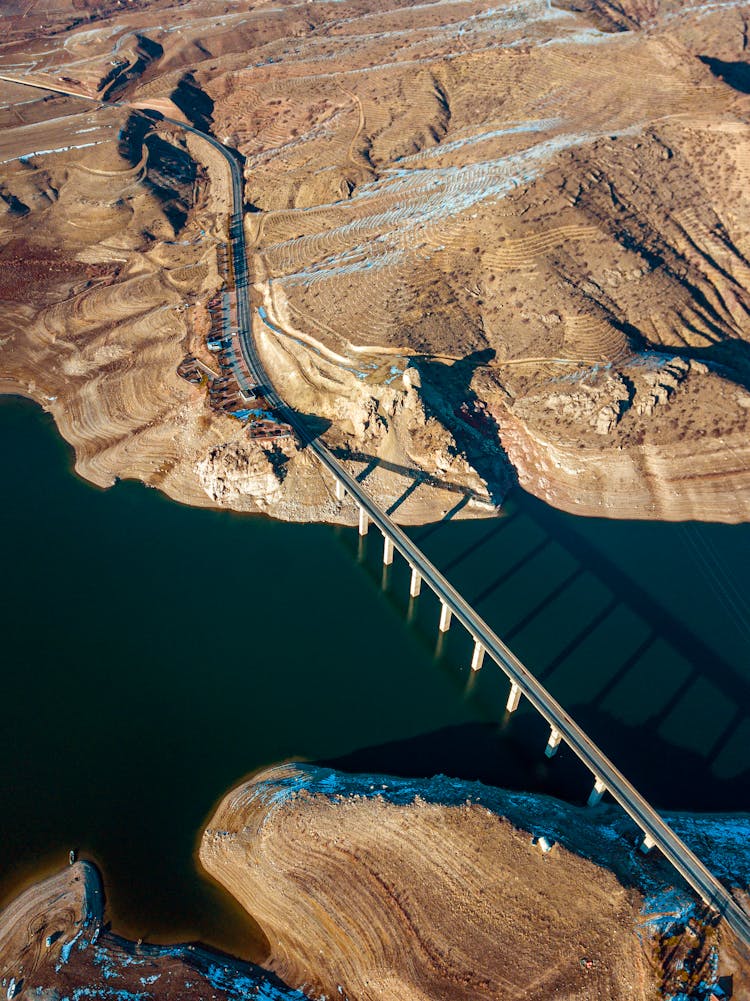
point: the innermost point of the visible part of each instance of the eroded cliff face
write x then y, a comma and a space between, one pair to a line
537, 210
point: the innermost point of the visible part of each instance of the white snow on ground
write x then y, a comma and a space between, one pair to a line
59, 149
423, 198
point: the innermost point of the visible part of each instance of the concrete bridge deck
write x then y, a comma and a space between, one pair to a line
486, 643
523, 683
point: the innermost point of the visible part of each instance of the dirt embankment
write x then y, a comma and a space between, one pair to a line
111, 254
371, 887
54, 943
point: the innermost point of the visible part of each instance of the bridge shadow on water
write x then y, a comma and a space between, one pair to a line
646, 678
510, 755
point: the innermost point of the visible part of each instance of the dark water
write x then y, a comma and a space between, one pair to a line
153, 655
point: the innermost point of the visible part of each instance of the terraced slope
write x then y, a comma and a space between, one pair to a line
54, 943
491, 241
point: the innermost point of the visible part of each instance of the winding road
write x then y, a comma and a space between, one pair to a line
690, 867
687, 864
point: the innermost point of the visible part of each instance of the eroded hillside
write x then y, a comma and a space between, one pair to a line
374, 887
489, 241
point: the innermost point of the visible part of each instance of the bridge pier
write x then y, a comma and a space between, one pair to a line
445, 618
477, 658
387, 551
647, 844
340, 491
415, 585
364, 521
596, 793
514, 697
553, 743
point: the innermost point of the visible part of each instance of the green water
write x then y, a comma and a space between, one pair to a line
153, 655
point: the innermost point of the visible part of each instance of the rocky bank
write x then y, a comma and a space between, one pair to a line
373, 887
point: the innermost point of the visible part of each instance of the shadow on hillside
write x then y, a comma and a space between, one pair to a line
416, 476
448, 397
730, 355
735, 74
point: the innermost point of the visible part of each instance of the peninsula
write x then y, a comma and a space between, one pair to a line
487, 244
376, 888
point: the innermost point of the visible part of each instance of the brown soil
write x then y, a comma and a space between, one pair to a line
373, 895
54, 944
537, 210
372, 887
22, 264
423, 901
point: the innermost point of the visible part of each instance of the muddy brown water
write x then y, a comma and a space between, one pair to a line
154, 654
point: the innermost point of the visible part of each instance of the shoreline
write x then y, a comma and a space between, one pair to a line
252, 770
695, 823
588, 513
353, 850
254, 947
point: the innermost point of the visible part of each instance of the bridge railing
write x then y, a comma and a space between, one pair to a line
607, 777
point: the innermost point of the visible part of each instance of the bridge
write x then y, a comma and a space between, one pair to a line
487, 645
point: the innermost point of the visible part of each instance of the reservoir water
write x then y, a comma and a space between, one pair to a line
154, 654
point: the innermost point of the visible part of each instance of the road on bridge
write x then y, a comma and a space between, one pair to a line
690, 867
648, 820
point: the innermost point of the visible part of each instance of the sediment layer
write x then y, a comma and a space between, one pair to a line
375, 887
372, 887
490, 242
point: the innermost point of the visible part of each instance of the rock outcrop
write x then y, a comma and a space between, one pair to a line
556, 245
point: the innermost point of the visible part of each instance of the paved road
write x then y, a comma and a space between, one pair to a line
682, 858
648, 820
